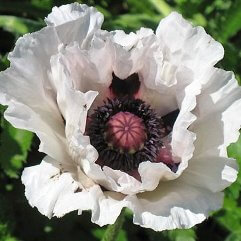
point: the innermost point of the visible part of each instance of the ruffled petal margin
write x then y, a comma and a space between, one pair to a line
51, 190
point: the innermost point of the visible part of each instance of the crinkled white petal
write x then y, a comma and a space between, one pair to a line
175, 205
218, 122
122, 182
165, 208
24, 89
72, 103
182, 138
54, 192
80, 68
75, 22
29, 92
130, 51
211, 172
218, 114
69, 12
179, 46
186, 45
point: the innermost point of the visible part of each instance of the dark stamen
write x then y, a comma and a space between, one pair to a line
118, 158
170, 118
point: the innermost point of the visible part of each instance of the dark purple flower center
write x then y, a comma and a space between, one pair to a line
126, 131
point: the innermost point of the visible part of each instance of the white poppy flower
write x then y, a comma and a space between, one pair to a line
139, 120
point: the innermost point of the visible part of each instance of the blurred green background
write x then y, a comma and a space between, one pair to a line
18, 221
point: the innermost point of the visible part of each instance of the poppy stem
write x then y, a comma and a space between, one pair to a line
113, 230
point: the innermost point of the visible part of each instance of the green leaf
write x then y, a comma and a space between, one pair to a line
14, 148
199, 19
122, 236
41, 5
232, 57
26, 9
234, 151
232, 23
234, 236
132, 22
4, 233
182, 235
19, 26
4, 62
161, 6
230, 216
99, 233
137, 6
104, 11
112, 232
6, 220
173, 235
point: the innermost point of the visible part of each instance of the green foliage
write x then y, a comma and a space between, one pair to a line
234, 151
161, 6
131, 22
36, 9
112, 232
4, 63
137, 7
4, 233
182, 235
221, 19
233, 237
99, 233
232, 22
6, 221
173, 235
230, 215
19, 26
14, 147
